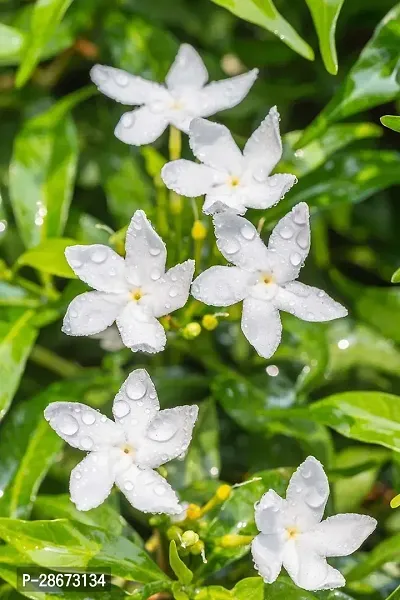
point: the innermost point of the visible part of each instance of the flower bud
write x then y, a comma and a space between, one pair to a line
209, 322
199, 231
193, 512
189, 538
223, 492
197, 548
174, 533
191, 331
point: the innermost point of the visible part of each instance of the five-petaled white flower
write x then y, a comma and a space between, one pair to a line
133, 292
293, 535
231, 180
126, 451
264, 277
185, 96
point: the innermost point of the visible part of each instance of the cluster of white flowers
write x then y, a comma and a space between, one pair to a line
136, 291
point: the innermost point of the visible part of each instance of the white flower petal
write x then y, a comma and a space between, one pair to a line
98, 266
109, 339
146, 253
147, 491
267, 551
181, 120
187, 69
171, 291
188, 178
220, 95
141, 126
168, 436
264, 147
221, 286
269, 512
309, 570
308, 303
91, 480
289, 243
139, 331
82, 426
135, 405
214, 146
340, 535
266, 194
308, 492
216, 203
92, 312
128, 89
261, 325
240, 243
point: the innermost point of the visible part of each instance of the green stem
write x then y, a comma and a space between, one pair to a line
51, 361
175, 200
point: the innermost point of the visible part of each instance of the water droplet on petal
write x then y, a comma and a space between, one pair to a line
136, 390
87, 443
69, 425
99, 255
121, 409
302, 239
286, 233
160, 489
295, 259
155, 274
78, 475
128, 485
248, 232
73, 313
231, 246
162, 428
173, 292
155, 251
88, 418
122, 79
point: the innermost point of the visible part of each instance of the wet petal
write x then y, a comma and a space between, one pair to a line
98, 266
268, 193
309, 570
168, 436
83, 427
170, 291
109, 339
128, 89
269, 512
188, 178
240, 243
221, 286
267, 551
308, 492
147, 491
340, 535
214, 146
220, 95
92, 312
308, 303
187, 69
139, 331
264, 147
289, 243
135, 405
91, 480
145, 251
262, 326
141, 126
217, 203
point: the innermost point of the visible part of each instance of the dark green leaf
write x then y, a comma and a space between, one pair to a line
386, 551
49, 257
203, 460
325, 14
16, 340
183, 573
392, 122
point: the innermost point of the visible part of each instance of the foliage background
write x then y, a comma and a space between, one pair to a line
62, 173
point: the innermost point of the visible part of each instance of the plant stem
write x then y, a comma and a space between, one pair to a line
175, 200
51, 361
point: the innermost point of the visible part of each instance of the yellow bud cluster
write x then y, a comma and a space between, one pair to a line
191, 330
209, 322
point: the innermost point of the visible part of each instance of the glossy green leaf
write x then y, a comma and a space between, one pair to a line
372, 417
16, 340
391, 121
49, 257
386, 551
264, 14
11, 42
325, 14
183, 573
396, 276
371, 81
246, 589
42, 171
64, 543
46, 16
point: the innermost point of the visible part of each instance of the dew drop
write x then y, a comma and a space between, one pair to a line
299, 215
155, 251
88, 418
286, 233
128, 485
160, 489
73, 313
135, 390
121, 409
69, 425
78, 475
99, 255
231, 246
173, 292
302, 239
155, 274
122, 79
295, 259
248, 232
87, 443
162, 428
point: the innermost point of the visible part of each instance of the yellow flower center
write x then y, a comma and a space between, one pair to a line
292, 532
234, 181
136, 294
267, 278
127, 449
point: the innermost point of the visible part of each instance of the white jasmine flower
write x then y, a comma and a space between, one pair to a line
184, 97
126, 451
264, 278
231, 180
293, 535
134, 292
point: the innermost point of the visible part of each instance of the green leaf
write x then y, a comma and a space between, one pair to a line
251, 587
63, 543
396, 276
46, 16
11, 42
386, 551
42, 171
183, 573
372, 417
28, 446
325, 14
49, 257
264, 14
203, 459
16, 341
371, 81
392, 122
